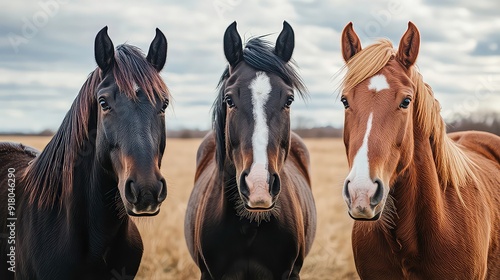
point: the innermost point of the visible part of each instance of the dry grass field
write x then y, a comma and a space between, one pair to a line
165, 254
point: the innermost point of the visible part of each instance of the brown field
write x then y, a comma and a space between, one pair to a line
165, 254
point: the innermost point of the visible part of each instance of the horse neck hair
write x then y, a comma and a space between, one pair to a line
453, 167
49, 178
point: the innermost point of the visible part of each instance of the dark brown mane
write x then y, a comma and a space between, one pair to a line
131, 66
49, 179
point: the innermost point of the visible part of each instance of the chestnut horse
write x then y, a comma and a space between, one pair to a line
73, 200
426, 204
251, 214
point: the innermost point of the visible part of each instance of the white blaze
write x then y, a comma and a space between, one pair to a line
260, 87
361, 167
378, 83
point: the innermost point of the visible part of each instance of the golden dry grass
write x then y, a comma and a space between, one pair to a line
165, 252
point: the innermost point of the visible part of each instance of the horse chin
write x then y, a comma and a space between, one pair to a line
142, 214
374, 218
259, 209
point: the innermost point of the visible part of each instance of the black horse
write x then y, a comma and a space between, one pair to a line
71, 222
251, 214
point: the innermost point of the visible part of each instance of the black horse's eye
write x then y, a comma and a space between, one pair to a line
289, 102
344, 101
104, 105
229, 101
405, 103
164, 106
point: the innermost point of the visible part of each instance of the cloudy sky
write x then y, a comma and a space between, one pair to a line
46, 51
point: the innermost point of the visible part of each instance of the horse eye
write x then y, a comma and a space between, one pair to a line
164, 106
289, 102
344, 101
104, 105
405, 103
229, 101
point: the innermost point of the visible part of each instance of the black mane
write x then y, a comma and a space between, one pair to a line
259, 54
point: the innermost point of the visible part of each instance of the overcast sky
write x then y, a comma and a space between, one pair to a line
46, 51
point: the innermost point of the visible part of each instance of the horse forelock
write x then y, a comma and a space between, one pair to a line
132, 71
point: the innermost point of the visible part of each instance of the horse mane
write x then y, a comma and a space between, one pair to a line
259, 54
49, 178
453, 167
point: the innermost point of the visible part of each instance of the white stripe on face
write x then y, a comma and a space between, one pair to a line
378, 83
361, 167
260, 87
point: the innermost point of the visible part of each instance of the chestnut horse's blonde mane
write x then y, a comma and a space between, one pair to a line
453, 167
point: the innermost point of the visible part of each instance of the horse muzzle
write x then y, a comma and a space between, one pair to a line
144, 199
259, 188
365, 199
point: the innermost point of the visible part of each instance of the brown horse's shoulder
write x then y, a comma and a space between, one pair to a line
484, 143
206, 148
205, 154
298, 148
299, 155
17, 151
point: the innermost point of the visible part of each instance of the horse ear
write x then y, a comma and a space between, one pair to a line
285, 42
157, 54
409, 46
104, 51
350, 42
233, 48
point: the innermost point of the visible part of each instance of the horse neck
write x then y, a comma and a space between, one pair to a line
418, 198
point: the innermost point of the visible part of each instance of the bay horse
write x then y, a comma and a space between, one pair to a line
73, 199
426, 204
251, 214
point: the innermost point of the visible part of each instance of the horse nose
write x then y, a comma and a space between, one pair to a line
131, 191
258, 188
244, 190
145, 197
275, 184
347, 196
364, 197
378, 195
163, 191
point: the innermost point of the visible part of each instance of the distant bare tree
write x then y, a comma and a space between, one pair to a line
483, 121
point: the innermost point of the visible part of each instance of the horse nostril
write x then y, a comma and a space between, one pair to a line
130, 192
244, 190
346, 190
163, 191
378, 195
275, 185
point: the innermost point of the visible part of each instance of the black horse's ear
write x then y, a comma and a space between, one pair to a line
285, 42
233, 48
157, 54
104, 51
